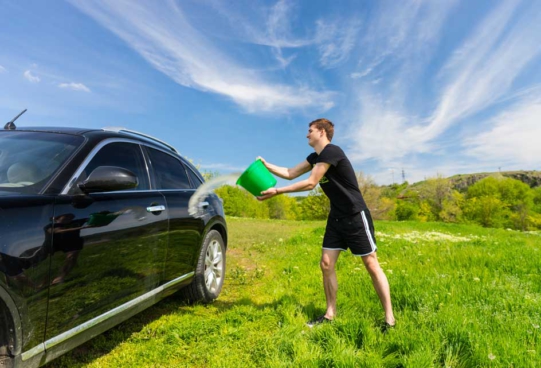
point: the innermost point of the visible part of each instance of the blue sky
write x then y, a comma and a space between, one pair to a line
428, 87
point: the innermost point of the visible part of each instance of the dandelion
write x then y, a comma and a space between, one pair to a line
491, 356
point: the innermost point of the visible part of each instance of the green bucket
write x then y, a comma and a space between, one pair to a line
256, 178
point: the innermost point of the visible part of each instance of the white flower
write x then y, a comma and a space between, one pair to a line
491, 356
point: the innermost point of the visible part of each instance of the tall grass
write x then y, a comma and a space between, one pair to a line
464, 296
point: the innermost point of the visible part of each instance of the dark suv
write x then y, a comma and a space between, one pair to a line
95, 227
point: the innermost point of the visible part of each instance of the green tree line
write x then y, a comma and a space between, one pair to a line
494, 201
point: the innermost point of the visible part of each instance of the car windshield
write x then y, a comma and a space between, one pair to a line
29, 159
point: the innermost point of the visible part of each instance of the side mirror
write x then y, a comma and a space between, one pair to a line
109, 179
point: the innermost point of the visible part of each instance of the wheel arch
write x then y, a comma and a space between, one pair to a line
220, 226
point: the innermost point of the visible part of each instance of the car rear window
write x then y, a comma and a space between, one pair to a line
169, 172
29, 159
196, 182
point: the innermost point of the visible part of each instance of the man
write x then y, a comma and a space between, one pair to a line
349, 224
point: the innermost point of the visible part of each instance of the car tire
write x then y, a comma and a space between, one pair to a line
210, 271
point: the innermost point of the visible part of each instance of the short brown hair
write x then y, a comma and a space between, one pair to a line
326, 125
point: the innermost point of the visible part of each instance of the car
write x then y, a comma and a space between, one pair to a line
94, 228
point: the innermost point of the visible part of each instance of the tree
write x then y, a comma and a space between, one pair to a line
435, 192
238, 202
452, 208
488, 211
380, 207
406, 210
283, 207
536, 199
316, 206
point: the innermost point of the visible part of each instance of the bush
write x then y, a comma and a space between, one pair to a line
240, 203
316, 206
406, 211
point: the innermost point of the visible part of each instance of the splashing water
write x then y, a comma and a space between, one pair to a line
208, 187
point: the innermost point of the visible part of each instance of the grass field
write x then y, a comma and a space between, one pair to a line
464, 296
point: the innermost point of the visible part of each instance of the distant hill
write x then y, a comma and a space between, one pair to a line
461, 182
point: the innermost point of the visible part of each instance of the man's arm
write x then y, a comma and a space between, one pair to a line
284, 172
308, 184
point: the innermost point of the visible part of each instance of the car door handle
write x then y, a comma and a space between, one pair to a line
155, 208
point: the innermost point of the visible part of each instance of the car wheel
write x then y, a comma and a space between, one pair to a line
210, 271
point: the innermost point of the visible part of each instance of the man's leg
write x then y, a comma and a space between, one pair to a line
330, 283
379, 280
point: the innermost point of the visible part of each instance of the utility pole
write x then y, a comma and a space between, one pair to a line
403, 176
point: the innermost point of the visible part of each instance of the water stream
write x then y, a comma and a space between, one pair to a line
207, 188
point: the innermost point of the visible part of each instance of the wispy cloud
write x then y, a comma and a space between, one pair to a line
477, 75
336, 40
31, 77
513, 139
278, 30
222, 167
167, 40
2, 69
75, 86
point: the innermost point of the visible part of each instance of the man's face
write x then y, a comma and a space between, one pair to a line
314, 135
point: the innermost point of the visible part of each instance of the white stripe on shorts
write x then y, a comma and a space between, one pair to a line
367, 229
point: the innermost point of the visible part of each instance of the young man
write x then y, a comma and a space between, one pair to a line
349, 224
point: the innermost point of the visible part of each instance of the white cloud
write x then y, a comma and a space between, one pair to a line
513, 139
478, 75
30, 77
2, 69
336, 40
225, 167
167, 40
74, 87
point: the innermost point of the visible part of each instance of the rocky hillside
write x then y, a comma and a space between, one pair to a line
461, 182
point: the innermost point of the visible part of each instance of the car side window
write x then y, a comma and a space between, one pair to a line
169, 172
196, 182
121, 154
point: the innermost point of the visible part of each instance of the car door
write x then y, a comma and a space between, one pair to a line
185, 231
109, 247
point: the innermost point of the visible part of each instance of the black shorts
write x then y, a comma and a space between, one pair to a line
355, 232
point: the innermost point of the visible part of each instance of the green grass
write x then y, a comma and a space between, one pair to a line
464, 296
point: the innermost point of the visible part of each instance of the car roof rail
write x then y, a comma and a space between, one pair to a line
133, 132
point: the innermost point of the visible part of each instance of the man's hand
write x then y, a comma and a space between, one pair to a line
269, 193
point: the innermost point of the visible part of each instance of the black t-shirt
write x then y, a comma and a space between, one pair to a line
339, 182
